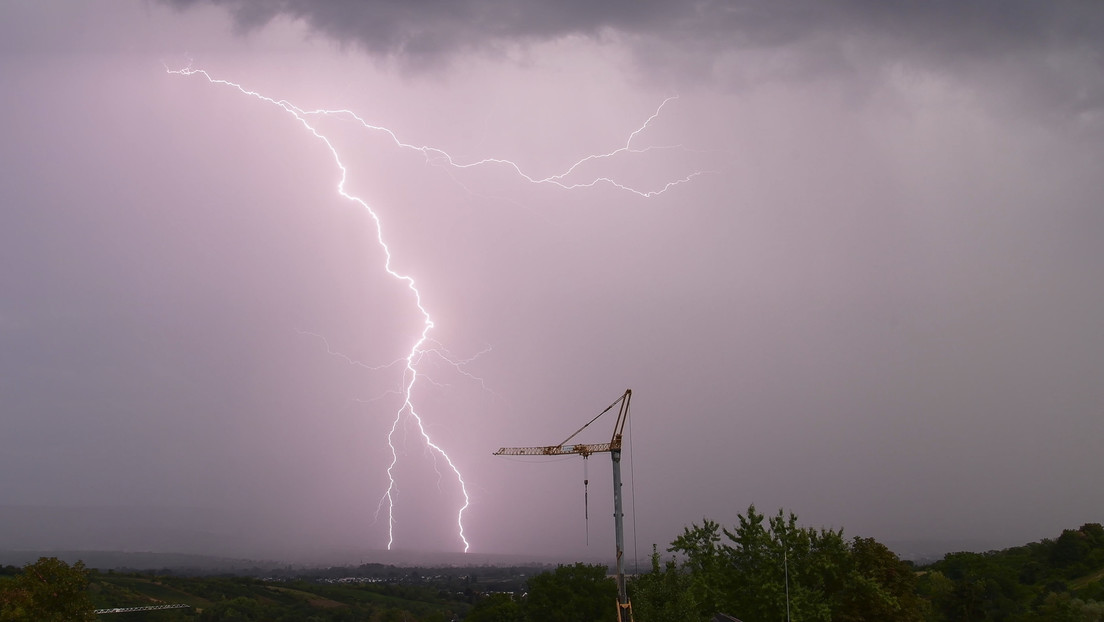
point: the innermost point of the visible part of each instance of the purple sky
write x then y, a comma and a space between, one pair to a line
880, 305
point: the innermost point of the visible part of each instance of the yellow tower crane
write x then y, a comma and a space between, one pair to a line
624, 607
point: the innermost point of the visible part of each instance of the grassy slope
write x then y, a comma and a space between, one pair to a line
113, 590
117, 590
1086, 580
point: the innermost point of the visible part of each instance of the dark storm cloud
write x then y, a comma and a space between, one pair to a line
1050, 52
441, 25
436, 28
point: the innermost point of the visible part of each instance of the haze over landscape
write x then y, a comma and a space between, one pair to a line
873, 297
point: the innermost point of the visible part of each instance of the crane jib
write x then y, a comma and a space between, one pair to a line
560, 450
624, 608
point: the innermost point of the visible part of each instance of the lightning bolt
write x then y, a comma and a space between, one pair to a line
424, 345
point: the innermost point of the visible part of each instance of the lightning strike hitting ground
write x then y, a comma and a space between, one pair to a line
424, 345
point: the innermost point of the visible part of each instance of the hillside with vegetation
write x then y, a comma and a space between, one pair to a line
1056, 580
371, 592
762, 569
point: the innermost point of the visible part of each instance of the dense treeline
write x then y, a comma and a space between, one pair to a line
759, 570
577, 593
1053, 580
748, 572
763, 567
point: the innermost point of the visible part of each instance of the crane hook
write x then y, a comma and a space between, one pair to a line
586, 500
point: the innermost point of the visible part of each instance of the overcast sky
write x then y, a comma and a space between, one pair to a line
875, 295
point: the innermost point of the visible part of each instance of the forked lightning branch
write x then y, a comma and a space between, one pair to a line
422, 345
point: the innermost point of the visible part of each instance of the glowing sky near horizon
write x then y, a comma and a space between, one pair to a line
879, 308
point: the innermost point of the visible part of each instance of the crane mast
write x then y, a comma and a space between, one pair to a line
624, 608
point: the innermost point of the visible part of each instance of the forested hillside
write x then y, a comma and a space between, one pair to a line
758, 570
1052, 580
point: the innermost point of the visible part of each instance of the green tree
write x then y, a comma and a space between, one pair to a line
663, 595
879, 586
1064, 608
763, 567
1072, 547
705, 564
577, 593
757, 588
810, 565
48, 590
936, 589
496, 608
745, 575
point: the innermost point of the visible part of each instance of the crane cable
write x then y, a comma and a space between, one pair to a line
632, 489
586, 500
585, 425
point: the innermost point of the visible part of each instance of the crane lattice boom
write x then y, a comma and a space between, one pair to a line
558, 450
